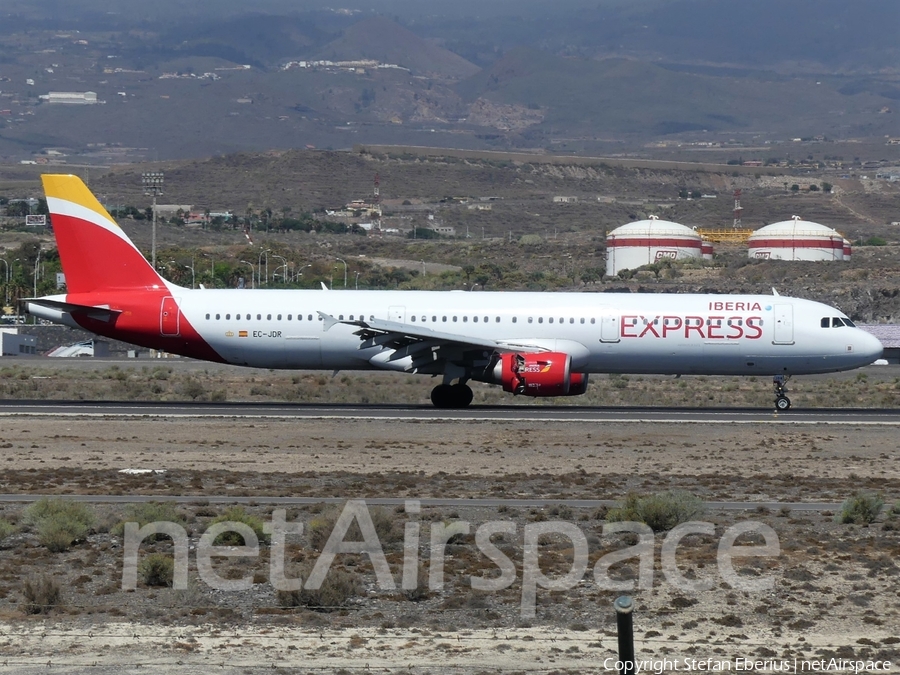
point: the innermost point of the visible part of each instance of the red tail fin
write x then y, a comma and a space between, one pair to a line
95, 253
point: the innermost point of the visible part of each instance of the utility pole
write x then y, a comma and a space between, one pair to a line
153, 184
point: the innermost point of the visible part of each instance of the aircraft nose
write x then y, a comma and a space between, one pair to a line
869, 346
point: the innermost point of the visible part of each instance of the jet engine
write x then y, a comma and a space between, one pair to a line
541, 374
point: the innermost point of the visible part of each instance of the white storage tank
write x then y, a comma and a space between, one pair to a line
707, 248
796, 239
646, 241
848, 250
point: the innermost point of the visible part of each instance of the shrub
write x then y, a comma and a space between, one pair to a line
157, 569
237, 514
6, 528
59, 523
336, 591
660, 512
320, 528
151, 512
41, 593
861, 508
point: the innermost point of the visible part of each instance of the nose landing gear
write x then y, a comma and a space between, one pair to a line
782, 402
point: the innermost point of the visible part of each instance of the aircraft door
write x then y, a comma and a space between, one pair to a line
609, 326
784, 325
397, 313
169, 317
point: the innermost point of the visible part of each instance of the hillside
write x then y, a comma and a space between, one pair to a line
609, 96
386, 41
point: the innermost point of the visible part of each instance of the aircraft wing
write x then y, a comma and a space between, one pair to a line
424, 349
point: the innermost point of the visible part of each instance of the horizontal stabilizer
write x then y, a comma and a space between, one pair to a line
98, 313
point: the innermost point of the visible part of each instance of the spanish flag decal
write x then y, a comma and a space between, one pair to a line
242, 333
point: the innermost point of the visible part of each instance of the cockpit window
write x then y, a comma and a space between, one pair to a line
825, 322
848, 322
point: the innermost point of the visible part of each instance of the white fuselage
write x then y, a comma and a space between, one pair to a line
604, 333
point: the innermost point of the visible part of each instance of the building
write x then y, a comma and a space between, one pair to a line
71, 97
797, 239
644, 242
12, 343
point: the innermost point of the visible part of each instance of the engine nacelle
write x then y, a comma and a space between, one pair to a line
542, 374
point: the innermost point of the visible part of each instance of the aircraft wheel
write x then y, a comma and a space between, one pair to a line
462, 395
782, 403
442, 396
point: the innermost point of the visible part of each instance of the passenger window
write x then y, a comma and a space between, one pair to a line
593, 320
289, 317
309, 318
434, 319
259, 317
217, 317
550, 319
572, 319
414, 318
582, 319
486, 319
540, 319
514, 319
340, 317
475, 319
279, 317
454, 319
465, 319
227, 316
207, 317
444, 319
497, 320
530, 319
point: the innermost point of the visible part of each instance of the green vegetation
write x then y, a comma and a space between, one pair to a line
338, 588
41, 594
59, 523
151, 512
660, 512
157, 569
861, 508
237, 514
6, 528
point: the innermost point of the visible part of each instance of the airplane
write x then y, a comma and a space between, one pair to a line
531, 344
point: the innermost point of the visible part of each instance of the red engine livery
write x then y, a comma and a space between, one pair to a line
541, 374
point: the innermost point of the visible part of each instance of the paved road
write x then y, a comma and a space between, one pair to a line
518, 413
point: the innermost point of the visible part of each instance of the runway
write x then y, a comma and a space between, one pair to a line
513, 413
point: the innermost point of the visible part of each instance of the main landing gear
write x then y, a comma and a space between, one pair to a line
451, 396
779, 382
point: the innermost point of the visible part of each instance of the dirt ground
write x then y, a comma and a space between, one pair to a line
835, 592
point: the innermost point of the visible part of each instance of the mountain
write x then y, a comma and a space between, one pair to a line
383, 40
617, 95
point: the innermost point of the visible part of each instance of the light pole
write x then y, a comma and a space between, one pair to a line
284, 264
345, 270
252, 272
153, 184
259, 267
37, 265
357, 280
193, 274
300, 273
